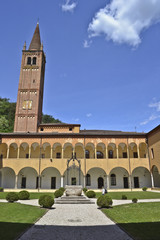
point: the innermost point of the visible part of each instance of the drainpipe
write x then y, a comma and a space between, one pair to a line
129, 166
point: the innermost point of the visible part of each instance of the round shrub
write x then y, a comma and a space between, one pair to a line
85, 189
46, 201
124, 197
91, 194
1, 189
62, 189
144, 189
134, 200
58, 193
23, 195
12, 197
104, 201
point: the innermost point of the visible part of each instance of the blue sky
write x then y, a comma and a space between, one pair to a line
103, 59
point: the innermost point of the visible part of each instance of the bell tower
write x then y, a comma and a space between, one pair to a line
31, 82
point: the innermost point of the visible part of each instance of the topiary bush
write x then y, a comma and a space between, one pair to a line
85, 189
124, 197
134, 200
62, 189
104, 201
58, 193
12, 197
91, 194
23, 195
1, 189
144, 189
46, 201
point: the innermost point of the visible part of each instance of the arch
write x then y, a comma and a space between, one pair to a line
133, 153
119, 178
50, 178
24, 150
95, 174
7, 177
46, 150
101, 150
28, 60
13, 150
141, 177
122, 150
79, 150
28, 178
34, 61
68, 150
57, 150
3, 150
156, 176
143, 150
100, 182
112, 150
90, 148
35, 150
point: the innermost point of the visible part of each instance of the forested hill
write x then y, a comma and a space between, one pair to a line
7, 115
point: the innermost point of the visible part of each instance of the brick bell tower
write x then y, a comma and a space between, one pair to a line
30, 91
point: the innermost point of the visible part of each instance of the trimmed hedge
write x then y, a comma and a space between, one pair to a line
85, 189
62, 189
23, 195
124, 197
12, 197
58, 193
144, 189
104, 201
46, 201
134, 200
1, 189
90, 194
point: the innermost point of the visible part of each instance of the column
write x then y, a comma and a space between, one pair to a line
95, 152
51, 154
84, 152
84, 181
107, 181
106, 153
62, 181
152, 180
138, 151
7, 153
73, 149
62, 153
16, 182
130, 181
29, 152
18, 152
117, 152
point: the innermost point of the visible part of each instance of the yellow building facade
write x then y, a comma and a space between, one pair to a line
49, 156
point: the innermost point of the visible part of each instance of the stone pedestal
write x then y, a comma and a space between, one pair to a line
73, 190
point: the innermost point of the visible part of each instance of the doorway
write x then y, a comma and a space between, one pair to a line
100, 182
136, 182
125, 182
23, 183
73, 181
53, 182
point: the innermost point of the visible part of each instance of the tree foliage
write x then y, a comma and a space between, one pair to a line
7, 116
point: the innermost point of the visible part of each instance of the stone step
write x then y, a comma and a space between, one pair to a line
60, 201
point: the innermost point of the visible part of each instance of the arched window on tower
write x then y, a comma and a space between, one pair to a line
29, 61
88, 180
34, 60
113, 179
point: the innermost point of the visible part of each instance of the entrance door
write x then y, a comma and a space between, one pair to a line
136, 182
53, 182
23, 183
100, 182
125, 182
73, 181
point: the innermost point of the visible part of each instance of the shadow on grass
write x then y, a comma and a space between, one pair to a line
143, 231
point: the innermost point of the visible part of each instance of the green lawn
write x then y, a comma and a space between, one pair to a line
15, 218
130, 195
141, 220
32, 195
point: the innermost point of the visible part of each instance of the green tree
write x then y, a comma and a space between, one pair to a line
4, 124
49, 119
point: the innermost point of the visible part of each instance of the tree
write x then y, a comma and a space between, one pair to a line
4, 124
49, 119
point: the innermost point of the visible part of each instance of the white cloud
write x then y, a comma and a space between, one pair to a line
155, 105
89, 115
87, 44
122, 21
151, 118
68, 7
76, 120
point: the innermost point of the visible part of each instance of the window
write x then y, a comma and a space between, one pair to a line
99, 155
34, 80
113, 180
58, 155
42, 155
42, 129
87, 154
88, 180
152, 153
1, 157
124, 154
135, 155
27, 155
70, 129
110, 154
34, 60
29, 61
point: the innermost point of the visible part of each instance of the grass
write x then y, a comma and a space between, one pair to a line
15, 218
130, 195
140, 220
32, 195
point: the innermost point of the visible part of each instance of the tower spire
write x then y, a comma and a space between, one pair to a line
36, 40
